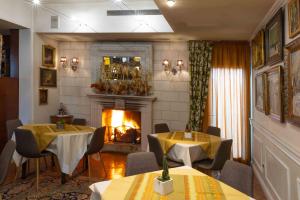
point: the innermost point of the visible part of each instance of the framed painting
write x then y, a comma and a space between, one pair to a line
274, 39
258, 50
43, 96
294, 81
260, 92
48, 77
48, 58
274, 105
294, 17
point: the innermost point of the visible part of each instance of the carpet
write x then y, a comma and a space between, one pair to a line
50, 188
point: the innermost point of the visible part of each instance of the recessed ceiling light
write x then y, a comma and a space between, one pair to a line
36, 2
171, 3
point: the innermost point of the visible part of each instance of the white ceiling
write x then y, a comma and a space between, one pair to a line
190, 19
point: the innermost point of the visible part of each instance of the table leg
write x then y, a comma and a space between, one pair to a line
63, 178
24, 169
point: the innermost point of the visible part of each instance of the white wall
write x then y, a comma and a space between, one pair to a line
276, 149
16, 11
172, 105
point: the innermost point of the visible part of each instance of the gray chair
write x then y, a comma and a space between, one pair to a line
96, 146
5, 159
11, 125
214, 131
141, 162
222, 155
155, 147
161, 128
78, 121
28, 148
238, 176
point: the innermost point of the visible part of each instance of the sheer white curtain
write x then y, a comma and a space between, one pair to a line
228, 106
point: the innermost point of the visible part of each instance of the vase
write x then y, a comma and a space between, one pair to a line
60, 126
163, 187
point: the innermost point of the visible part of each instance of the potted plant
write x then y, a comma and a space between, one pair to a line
164, 184
60, 124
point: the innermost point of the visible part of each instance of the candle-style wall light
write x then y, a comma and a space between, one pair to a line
174, 70
74, 63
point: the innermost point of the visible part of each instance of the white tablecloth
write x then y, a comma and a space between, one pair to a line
186, 153
69, 149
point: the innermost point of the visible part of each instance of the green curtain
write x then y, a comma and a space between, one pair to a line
200, 65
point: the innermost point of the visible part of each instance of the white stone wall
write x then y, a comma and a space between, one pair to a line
172, 92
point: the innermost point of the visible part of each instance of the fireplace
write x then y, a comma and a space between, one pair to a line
122, 126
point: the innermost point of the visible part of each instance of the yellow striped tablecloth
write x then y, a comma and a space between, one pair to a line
46, 133
189, 184
208, 143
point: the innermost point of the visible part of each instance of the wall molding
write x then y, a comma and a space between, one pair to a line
259, 163
265, 188
286, 148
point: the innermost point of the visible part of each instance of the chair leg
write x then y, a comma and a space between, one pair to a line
37, 173
103, 164
18, 168
89, 166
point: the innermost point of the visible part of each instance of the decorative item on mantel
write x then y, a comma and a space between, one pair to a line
164, 184
123, 79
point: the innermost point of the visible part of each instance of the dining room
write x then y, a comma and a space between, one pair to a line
149, 99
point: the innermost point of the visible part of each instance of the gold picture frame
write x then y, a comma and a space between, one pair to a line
258, 50
274, 93
43, 96
48, 57
294, 82
261, 92
294, 18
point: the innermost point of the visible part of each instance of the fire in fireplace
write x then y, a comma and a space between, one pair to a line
122, 126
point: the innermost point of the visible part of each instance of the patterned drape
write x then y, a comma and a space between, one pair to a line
200, 66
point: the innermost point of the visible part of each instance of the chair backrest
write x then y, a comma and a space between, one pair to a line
97, 141
141, 162
238, 176
78, 121
11, 125
214, 131
26, 144
155, 147
222, 155
5, 159
161, 128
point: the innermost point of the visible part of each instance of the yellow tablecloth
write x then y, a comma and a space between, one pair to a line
208, 143
46, 133
189, 184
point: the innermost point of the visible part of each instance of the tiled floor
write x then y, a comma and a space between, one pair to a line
115, 166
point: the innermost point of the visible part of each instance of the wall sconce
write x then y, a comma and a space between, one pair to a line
74, 63
168, 67
63, 62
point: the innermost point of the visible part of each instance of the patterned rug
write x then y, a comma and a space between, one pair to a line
50, 188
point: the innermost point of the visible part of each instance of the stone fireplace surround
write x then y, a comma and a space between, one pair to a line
142, 104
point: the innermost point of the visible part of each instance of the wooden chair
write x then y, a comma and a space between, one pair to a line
80, 122
5, 159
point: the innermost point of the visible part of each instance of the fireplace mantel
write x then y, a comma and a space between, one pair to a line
124, 97
143, 104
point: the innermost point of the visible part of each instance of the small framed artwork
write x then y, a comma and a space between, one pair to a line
294, 82
294, 17
48, 58
274, 93
260, 92
274, 39
258, 50
48, 77
43, 96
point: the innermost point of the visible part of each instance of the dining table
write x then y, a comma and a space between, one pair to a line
69, 144
188, 183
188, 147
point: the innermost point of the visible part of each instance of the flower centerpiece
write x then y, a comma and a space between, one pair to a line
164, 184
